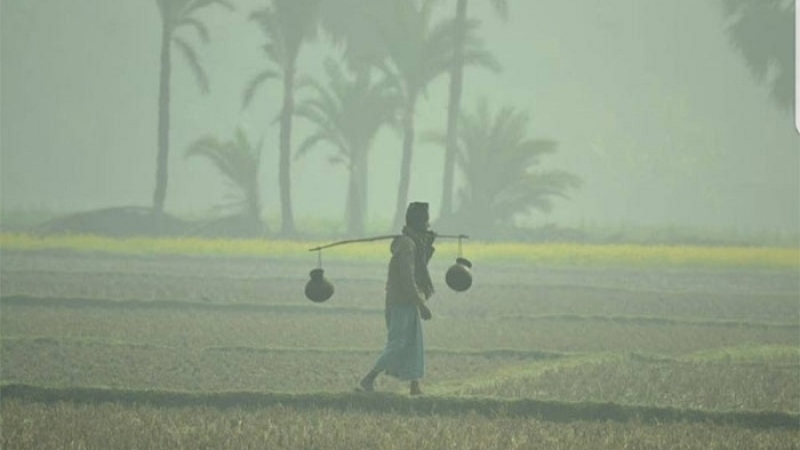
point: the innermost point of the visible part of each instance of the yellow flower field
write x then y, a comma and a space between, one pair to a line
536, 253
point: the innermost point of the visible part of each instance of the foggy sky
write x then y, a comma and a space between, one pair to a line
650, 105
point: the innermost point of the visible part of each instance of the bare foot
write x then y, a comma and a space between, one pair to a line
366, 385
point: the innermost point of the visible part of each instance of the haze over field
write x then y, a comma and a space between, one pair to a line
651, 106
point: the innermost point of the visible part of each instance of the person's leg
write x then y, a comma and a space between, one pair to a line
396, 343
414, 388
367, 384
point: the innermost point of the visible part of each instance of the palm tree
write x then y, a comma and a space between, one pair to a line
354, 25
287, 25
238, 161
763, 31
176, 15
348, 114
462, 27
498, 161
418, 52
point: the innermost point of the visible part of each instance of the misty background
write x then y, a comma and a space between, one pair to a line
650, 105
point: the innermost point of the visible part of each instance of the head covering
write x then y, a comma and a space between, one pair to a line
417, 216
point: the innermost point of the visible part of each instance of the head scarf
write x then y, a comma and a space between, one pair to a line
417, 215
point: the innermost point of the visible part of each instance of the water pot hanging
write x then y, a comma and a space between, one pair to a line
459, 276
318, 288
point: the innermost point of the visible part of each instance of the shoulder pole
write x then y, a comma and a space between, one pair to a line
387, 236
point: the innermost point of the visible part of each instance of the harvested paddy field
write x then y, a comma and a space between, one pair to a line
551, 356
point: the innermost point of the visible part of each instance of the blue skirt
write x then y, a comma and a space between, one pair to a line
404, 356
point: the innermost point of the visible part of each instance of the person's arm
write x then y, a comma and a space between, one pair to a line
403, 267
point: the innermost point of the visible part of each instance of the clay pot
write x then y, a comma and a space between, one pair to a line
318, 288
459, 276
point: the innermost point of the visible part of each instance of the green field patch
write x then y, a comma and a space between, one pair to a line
754, 354
506, 373
766, 380
556, 411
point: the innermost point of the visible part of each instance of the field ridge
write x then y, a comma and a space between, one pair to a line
88, 341
309, 308
84, 302
400, 404
653, 320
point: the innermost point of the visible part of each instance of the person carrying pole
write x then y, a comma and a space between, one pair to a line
408, 286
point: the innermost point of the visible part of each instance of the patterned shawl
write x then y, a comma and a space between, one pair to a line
423, 240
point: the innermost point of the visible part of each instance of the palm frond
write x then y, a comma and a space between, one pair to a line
254, 84
288, 23
319, 136
322, 120
475, 52
237, 160
325, 100
392, 78
338, 159
275, 47
353, 26
198, 26
763, 33
215, 151
310, 110
194, 5
191, 57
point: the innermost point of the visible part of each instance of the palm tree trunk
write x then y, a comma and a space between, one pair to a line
284, 164
405, 164
453, 109
356, 194
362, 194
350, 207
253, 202
352, 201
162, 156
360, 168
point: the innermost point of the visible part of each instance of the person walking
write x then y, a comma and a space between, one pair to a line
408, 287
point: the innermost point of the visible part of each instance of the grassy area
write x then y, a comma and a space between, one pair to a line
199, 351
549, 254
291, 426
665, 382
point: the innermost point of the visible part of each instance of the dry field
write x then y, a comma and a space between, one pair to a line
164, 352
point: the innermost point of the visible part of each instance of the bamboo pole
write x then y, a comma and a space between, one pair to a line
387, 236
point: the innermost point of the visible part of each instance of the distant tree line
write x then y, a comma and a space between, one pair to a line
385, 53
